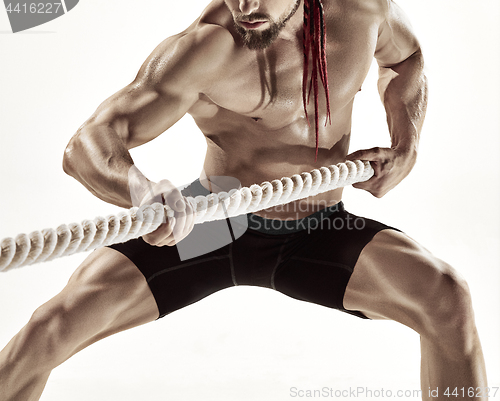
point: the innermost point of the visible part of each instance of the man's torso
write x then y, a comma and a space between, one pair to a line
252, 114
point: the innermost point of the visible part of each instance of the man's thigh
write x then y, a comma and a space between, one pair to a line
396, 278
176, 283
105, 295
319, 264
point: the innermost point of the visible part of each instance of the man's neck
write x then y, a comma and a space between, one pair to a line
294, 25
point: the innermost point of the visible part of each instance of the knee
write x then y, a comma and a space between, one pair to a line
49, 335
446, 310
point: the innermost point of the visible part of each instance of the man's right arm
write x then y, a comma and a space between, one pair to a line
167, 85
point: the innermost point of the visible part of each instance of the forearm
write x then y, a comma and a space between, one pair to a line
403, 89
98, 158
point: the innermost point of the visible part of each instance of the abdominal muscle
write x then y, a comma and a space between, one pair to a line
242, 148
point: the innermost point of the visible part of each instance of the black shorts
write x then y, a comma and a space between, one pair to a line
310, 259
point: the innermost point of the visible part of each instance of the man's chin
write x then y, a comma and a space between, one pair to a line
255, 40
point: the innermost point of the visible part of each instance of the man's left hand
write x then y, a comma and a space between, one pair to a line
390, 166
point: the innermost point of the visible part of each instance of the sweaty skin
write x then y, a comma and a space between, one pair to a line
248, 103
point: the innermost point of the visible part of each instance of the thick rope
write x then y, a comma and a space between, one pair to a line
50, 244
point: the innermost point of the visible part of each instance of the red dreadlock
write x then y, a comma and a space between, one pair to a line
314, 47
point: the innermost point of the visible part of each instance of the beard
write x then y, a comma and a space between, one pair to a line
260, 40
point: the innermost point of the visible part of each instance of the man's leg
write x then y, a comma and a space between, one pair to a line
106, 294
395, 278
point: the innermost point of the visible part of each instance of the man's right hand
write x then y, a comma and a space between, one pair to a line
176, 228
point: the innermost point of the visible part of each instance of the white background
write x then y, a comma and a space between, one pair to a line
248, 343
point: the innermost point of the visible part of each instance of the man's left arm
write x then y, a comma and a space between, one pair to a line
403, 90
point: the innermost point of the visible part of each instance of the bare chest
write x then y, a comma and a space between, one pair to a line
266, 86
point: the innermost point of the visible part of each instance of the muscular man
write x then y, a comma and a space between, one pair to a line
238, 70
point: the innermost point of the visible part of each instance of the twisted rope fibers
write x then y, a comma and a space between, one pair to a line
65, 240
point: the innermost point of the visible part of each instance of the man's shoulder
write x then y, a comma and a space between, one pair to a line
200, 39
205, 40
192, 54
210, 31
374, 8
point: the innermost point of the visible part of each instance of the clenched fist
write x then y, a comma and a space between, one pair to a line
390, 166
176, 228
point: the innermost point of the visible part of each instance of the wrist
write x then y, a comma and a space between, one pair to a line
139, 186
407, 156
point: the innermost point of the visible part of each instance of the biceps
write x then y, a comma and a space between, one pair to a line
139, 113
396, 41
